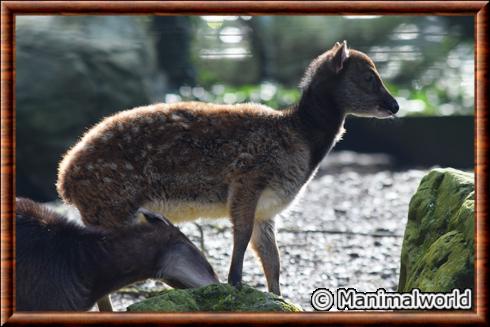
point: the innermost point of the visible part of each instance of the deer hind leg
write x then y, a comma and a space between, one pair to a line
264, 244
108, 215
242, 201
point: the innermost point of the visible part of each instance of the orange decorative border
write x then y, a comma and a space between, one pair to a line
9, 9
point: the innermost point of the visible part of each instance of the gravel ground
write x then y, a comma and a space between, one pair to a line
345, 231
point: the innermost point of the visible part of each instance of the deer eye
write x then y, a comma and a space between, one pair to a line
369, 77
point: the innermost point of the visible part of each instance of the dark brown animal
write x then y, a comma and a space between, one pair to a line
63, 266
243, 161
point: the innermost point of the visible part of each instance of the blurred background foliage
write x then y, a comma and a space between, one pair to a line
71, 71
427, 62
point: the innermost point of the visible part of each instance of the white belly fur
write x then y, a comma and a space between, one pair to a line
270, 204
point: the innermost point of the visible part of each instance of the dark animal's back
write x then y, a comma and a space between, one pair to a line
45, 253
46, 230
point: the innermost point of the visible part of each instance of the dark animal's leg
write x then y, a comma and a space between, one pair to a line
242, 203
104, 304
264, 244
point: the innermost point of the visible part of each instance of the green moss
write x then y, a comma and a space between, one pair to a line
438, 246
217, 297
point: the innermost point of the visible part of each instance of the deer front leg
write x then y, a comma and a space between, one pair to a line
243, 198
264, 244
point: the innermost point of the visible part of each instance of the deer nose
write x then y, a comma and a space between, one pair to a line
393, 106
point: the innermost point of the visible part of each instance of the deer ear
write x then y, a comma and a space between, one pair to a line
340, 54
153, 217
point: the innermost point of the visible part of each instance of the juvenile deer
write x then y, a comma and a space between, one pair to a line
244, 161
63, 266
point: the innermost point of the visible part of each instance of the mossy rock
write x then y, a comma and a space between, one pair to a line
438, 246
216, 297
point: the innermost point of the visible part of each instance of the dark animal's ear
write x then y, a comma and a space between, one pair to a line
340, 53
154, 217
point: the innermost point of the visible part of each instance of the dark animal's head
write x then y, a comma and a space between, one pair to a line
180, 263
351, 79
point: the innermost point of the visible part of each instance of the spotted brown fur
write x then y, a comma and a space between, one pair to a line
245, 161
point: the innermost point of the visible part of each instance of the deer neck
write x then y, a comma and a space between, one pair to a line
117, 263
320, 120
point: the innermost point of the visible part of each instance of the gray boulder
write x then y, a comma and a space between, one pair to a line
71, 72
